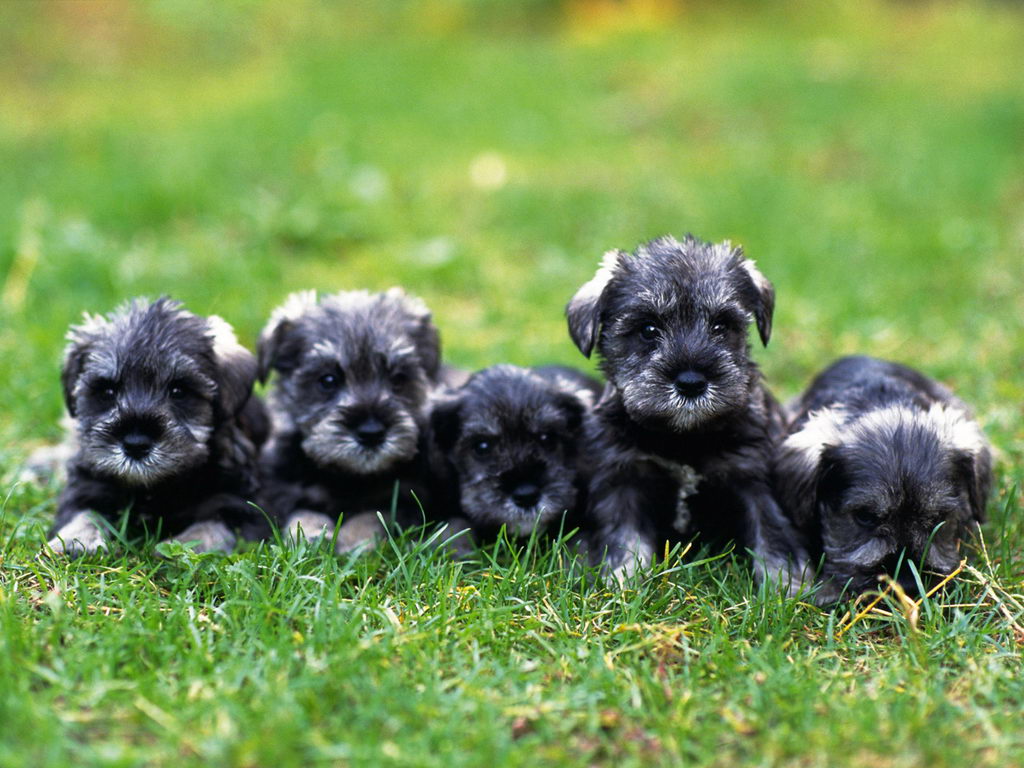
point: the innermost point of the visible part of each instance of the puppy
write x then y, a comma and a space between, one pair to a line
881, 466
685, 428
505, 448
354, 374
165, 428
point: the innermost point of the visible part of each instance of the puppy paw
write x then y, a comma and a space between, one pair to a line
359, 532
208, 536
81, 536
632, 565
309, 526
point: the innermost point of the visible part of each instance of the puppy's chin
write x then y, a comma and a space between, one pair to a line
161, 465
660, 407
500, 510
331, 446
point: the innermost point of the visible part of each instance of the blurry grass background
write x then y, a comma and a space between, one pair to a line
869, 156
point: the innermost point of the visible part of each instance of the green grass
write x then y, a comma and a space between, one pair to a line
868, 155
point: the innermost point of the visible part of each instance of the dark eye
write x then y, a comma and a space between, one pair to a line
482, 447
399, 379
177, 391
723, 324
546, 439
865, 518
329, 382
105, 390
650, 332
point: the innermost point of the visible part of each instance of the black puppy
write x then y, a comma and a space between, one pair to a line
355, 371
685, 428
506, 450
881, 465
165, 427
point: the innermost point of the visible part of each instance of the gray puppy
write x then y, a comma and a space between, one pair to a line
881, 465
354, 374
165, 427
506, 450
685, 428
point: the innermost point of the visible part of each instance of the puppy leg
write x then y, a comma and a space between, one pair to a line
622, 545
82, 535
358, 532
779, 555
457, 539
308, 525
209, 535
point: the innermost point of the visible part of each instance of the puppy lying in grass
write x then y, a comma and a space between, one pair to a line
165, 429
506, 450
881, 467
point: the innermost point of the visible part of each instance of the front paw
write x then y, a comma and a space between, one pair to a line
308, 526
208, 536
359, 532
81, 536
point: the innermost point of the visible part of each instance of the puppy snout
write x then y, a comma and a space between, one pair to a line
138, 438
369, 431
526, 495
691, 383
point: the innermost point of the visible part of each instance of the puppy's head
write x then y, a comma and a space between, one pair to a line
148, 384
354, 370
510, 438
670, 324
889, 486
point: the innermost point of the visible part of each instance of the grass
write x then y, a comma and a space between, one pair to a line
867, 155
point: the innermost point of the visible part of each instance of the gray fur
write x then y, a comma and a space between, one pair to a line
685, 427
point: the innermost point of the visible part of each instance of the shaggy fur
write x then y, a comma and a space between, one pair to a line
505, 450
881, 466
354, 371
685, 428
164, 426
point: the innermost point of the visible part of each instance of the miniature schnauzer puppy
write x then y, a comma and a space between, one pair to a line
354, 374
505, 448
685, 428
881, 465
165, 428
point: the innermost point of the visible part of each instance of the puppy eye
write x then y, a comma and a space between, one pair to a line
105, 390
482, 447
177, 391
329, 382
546, 439
865, 518
399, 379
650, 332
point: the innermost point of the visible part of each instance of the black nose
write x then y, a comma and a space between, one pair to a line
370, 432
137, 445
691, 384
525, 495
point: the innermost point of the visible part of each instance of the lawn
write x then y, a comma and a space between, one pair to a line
869, 156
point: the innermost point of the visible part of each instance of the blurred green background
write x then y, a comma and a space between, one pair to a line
868, 155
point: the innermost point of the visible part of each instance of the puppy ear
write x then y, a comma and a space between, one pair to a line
584, 309
236, 367
974, 473
422, 331
763, 300
80, 340
446, 423
573, 409
280, 347
831, 479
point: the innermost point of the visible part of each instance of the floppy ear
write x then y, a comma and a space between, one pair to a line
446, 423
80, 340
422, 331
974, 472
280, 347
573, 410
831, 479
763, 300
236, 367
584, 309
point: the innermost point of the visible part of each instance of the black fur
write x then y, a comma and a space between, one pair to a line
881, 465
